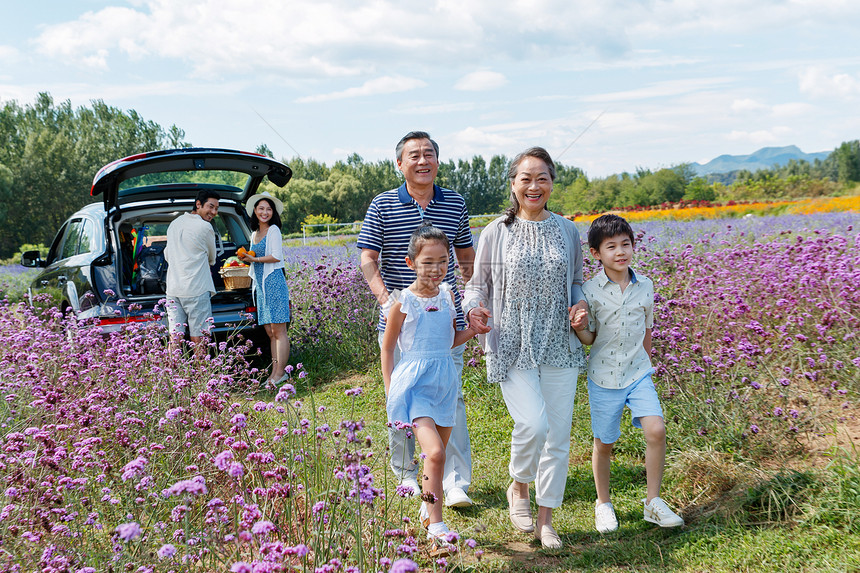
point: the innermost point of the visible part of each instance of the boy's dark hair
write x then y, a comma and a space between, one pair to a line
606, 227
275, 221
204, 195
426, 233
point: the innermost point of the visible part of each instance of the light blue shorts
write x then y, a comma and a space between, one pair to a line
607, 405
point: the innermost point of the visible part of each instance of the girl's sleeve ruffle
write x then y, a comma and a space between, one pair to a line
409, 306
446, 296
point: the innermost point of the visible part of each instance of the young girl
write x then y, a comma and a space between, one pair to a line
422, 388
270, 285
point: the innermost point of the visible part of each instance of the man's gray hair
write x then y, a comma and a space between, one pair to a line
398, 151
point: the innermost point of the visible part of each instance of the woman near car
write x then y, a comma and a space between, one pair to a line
269, 283
527, 275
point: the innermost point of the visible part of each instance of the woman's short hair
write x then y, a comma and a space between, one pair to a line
426, 233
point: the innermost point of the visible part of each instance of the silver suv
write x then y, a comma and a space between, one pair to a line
107, 260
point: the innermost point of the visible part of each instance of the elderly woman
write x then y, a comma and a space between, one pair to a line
527, 275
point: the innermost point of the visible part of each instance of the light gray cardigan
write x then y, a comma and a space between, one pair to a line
487, 284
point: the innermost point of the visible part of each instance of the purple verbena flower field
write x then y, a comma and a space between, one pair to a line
117, 453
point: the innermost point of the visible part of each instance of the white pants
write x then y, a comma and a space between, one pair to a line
458, 453
541, 403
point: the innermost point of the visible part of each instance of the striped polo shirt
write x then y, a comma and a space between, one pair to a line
390, 221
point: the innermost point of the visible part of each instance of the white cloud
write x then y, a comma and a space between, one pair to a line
818, 82
661, 90
377, 86
775, 135
338, 38
429, 109
793, 109
481, 80
747, 105
9, 54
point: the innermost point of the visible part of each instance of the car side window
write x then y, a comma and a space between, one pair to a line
221, 228
72, 240
230, 230
88, 238
54, 252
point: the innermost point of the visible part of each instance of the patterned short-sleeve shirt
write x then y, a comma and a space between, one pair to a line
618, 358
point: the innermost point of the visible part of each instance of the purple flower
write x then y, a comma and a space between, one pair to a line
236, 470
194, 486
173, 413
222, 460
431, 308
133, 468
167, 550
262, 527
404, 566
241, 567
128, 531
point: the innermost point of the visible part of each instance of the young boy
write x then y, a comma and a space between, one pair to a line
618, 325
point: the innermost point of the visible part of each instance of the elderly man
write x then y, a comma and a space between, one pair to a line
384, 238
190, 253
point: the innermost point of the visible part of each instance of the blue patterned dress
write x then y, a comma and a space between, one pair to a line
273, 307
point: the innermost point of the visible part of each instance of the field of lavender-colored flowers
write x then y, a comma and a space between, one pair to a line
118, 454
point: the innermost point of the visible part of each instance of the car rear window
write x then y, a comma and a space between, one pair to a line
233, 179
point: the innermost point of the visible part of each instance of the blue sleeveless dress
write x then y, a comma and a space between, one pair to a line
274, 307
425, 383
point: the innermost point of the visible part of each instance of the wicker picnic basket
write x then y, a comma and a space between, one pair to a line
235, 277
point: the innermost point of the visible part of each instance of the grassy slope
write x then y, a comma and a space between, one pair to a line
714, 541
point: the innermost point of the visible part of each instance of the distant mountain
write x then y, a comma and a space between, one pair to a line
764, 158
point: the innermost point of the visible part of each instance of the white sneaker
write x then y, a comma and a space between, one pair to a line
658, 512
456, 497
604, 518
410, 483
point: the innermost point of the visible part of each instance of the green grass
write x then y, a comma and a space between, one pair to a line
740, 517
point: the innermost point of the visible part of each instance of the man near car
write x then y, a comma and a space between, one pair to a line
383, 240
190, 253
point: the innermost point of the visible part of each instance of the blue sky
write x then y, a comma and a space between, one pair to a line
667, 81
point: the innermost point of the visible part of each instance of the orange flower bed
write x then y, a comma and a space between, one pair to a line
803, 207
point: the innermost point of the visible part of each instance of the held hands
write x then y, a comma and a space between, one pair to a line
578, 316
478, 318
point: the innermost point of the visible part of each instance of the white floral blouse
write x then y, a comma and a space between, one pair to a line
534, 327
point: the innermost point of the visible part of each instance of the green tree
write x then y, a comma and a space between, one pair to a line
848, 161
6, 194
53, 152
699, 190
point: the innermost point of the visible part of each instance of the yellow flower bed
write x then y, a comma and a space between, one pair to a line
804, 207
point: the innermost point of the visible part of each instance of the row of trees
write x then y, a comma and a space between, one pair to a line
49, 153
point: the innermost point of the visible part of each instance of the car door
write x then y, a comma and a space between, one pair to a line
65, 276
